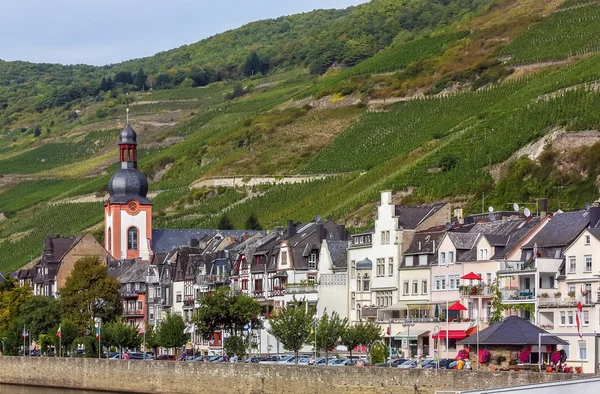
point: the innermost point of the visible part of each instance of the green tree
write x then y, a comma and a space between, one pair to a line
12, 298
68, 333
329, 332
170, 331
252, 223
40, 315
293, 325
235, 345
124, 77
139, 80
120, 335
45, 341
222, 310
351, 338
152, 339
369, 333
90, 293
497, 306
224, 223
379, 353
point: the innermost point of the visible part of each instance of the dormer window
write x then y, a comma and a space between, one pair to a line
312, 261
442, 258
483, 254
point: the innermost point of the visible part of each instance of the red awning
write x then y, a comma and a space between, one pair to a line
452, 334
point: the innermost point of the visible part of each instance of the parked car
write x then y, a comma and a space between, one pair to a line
114, 356
408, 364
286, 359
253, 360
80, 353
216, 359
354, 361
140, 356
270, 360
392, 363
442, 363
164, 357
340, 362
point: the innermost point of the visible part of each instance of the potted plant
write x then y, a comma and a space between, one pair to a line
512, 362
557, 294
535, 368
549, 369
571, 294
578, 369
524, 357
544, 295
500, 359
484, 356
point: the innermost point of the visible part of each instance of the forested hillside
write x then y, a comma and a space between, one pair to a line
437, 100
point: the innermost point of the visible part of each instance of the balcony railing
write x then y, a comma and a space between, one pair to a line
132, 293
133, 312
517, 295
258, 294
188, 303
560, 302
517, 266
277, 293
211, 279
301, 289
475, 290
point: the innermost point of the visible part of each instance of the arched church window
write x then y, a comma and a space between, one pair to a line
109, 243
132, 238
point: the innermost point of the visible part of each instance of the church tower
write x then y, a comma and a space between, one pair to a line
128, 213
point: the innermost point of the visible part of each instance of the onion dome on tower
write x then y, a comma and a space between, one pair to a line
128, 212
128, 182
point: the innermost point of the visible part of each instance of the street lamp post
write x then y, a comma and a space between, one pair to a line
408, 324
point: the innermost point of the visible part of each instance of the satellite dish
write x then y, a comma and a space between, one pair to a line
516, 207
492, 217
587, 206
318, 218
559, 211
448, 225
491, 209
527, 212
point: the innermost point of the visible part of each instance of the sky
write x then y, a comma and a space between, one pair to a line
102, 32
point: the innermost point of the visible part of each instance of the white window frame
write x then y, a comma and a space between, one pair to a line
353, 269
312, 261
405, 287
572, 264
586, 318
415, 287
409, 261
588, 259
451, 257
437, 283
570, 318
390, 266
442, 258
563, 318
587, 240
424, 286
582, 345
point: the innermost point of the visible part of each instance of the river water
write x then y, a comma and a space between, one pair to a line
10, 389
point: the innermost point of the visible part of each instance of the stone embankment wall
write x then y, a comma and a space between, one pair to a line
189, 377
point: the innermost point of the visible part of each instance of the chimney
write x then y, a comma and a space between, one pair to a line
419, 245
594, 216
291, 229
321, 231
434, 245
194, 242
386, 197
458, 214
543, 207
342, 230
279, 230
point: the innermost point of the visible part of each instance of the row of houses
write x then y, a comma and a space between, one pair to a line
403, 274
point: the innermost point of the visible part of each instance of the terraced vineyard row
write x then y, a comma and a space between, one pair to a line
28, 232
55, 154
559, 36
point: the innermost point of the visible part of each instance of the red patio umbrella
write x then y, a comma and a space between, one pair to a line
471, 276
457, 306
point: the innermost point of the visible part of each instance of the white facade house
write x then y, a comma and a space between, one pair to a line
579, 282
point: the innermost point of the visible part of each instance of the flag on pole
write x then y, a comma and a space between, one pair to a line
313, 326
98, 332
248, 327
24, 333
579, 315
58, 332
389, 328
142, 330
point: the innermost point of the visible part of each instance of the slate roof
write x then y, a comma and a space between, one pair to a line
133, 272
164, 241
595, 232
512, 331
410, 217
463, 241
561, 230
504, 236
56, 247
338, 251
308, 240
425, 242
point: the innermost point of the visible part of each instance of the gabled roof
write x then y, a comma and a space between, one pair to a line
424, 243
463, 241
56, 247
512, 331
409, 218
561, 230
338, 251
